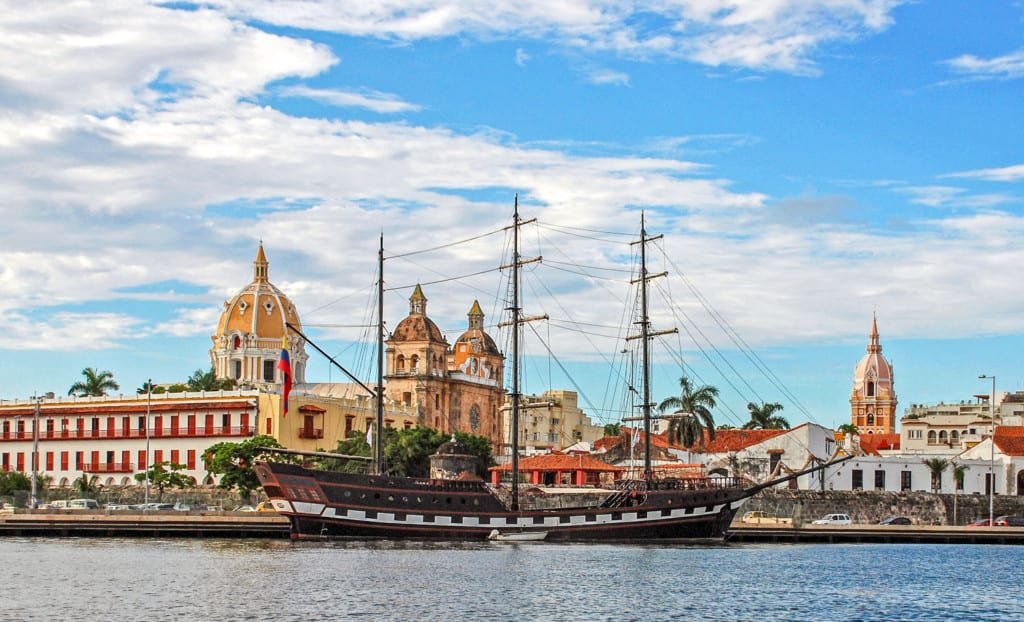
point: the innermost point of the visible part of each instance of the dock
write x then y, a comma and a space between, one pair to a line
146, 525
908, 534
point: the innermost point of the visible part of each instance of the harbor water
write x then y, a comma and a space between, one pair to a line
143, 579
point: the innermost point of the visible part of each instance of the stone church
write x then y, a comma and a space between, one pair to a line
873, 401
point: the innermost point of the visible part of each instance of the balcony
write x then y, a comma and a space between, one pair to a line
311, 433
121, 433
108, 467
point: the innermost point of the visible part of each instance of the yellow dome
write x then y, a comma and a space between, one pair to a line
260, 309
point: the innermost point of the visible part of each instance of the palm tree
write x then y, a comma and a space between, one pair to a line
959, 470
763, 417
96, 383
692, 410
207, 381
612, 429
848, 429
936, 466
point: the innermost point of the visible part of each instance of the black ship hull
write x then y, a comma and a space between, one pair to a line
323, 504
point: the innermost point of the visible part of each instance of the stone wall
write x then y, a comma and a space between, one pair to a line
871, 506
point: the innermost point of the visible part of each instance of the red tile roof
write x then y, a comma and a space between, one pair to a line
870, 444
1010, 439
607, 442
559, 462
728, 441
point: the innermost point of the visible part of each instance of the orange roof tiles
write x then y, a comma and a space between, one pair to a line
871, 443
1010, 439
559, 462
728, 441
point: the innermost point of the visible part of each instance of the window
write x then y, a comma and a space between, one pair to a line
49, 461
78, 461
225, 422
871, 389
414, 363
158, 456
932, 437
64, 460
5, 462
238, 370
142, 460
988, 482
879, 480
871, 419
190, 456
858, 479
407, 398
400, 363
268, 370
905, 481
175, 456
95, 426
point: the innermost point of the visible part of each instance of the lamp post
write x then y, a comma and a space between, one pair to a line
35, 454
149, 398
992, 446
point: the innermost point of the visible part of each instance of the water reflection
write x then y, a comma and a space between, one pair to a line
134, 579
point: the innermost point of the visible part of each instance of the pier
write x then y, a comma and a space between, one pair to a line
146, 525
907, 534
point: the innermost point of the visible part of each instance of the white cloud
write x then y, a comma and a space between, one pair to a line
608, 76
67, 332
190, 322
521, 57
932, 196
779, 35
1007, 173
376, 101
1006, 67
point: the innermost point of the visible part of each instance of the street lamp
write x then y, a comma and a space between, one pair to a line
149, 398
35, 454
992, 446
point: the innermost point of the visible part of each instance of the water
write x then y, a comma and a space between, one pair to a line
120, 579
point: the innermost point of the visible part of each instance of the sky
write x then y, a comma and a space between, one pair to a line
809, 163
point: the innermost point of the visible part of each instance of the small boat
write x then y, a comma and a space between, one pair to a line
517, 536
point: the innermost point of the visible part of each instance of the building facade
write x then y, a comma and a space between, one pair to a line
107, 437
873, 401
551, 421
456, 388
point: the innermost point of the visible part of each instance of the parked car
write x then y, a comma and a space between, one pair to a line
1010, 521
244, 508
981, 522
896, 520
834, 519
118, 507
182, 507
761, 517
83, 504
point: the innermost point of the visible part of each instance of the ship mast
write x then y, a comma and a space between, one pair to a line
378, 439
645, 336
517, 321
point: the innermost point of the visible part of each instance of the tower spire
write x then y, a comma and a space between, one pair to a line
874, 345
261, 267
417, 301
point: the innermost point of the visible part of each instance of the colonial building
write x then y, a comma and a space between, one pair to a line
873, 402
551, 421
248, 340
452, 389
107, 437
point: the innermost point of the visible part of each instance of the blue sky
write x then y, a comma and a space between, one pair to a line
809, 163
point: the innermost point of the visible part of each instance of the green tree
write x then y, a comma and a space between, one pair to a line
177, 387
692, 413
936, 466
959, 471
86, 485
763, 417
726, 426
208, 381
166, 475
233, 463
11, 481
849, 429
354, 445
95, 384
407, 452
612, 429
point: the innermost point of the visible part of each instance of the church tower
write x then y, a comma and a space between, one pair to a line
248, 339
873, 402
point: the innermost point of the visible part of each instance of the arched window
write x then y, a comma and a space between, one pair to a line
238, 342
931, 437
400, 363
955, 437
871, 418
943, 437
871, 389
414, 363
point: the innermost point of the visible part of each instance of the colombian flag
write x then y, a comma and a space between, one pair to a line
285, 365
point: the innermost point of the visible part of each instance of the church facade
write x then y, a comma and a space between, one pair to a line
873, 401
452, 388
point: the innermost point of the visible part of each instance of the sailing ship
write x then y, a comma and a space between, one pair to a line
321, 503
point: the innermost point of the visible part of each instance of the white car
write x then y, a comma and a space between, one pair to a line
834, 519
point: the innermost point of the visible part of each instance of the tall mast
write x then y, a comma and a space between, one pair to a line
378, 439
645, 327
515, 322
645, 336
515, 356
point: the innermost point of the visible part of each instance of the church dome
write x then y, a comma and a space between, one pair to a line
417, 326
252, 329
873, 367
478, 340
260, 309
